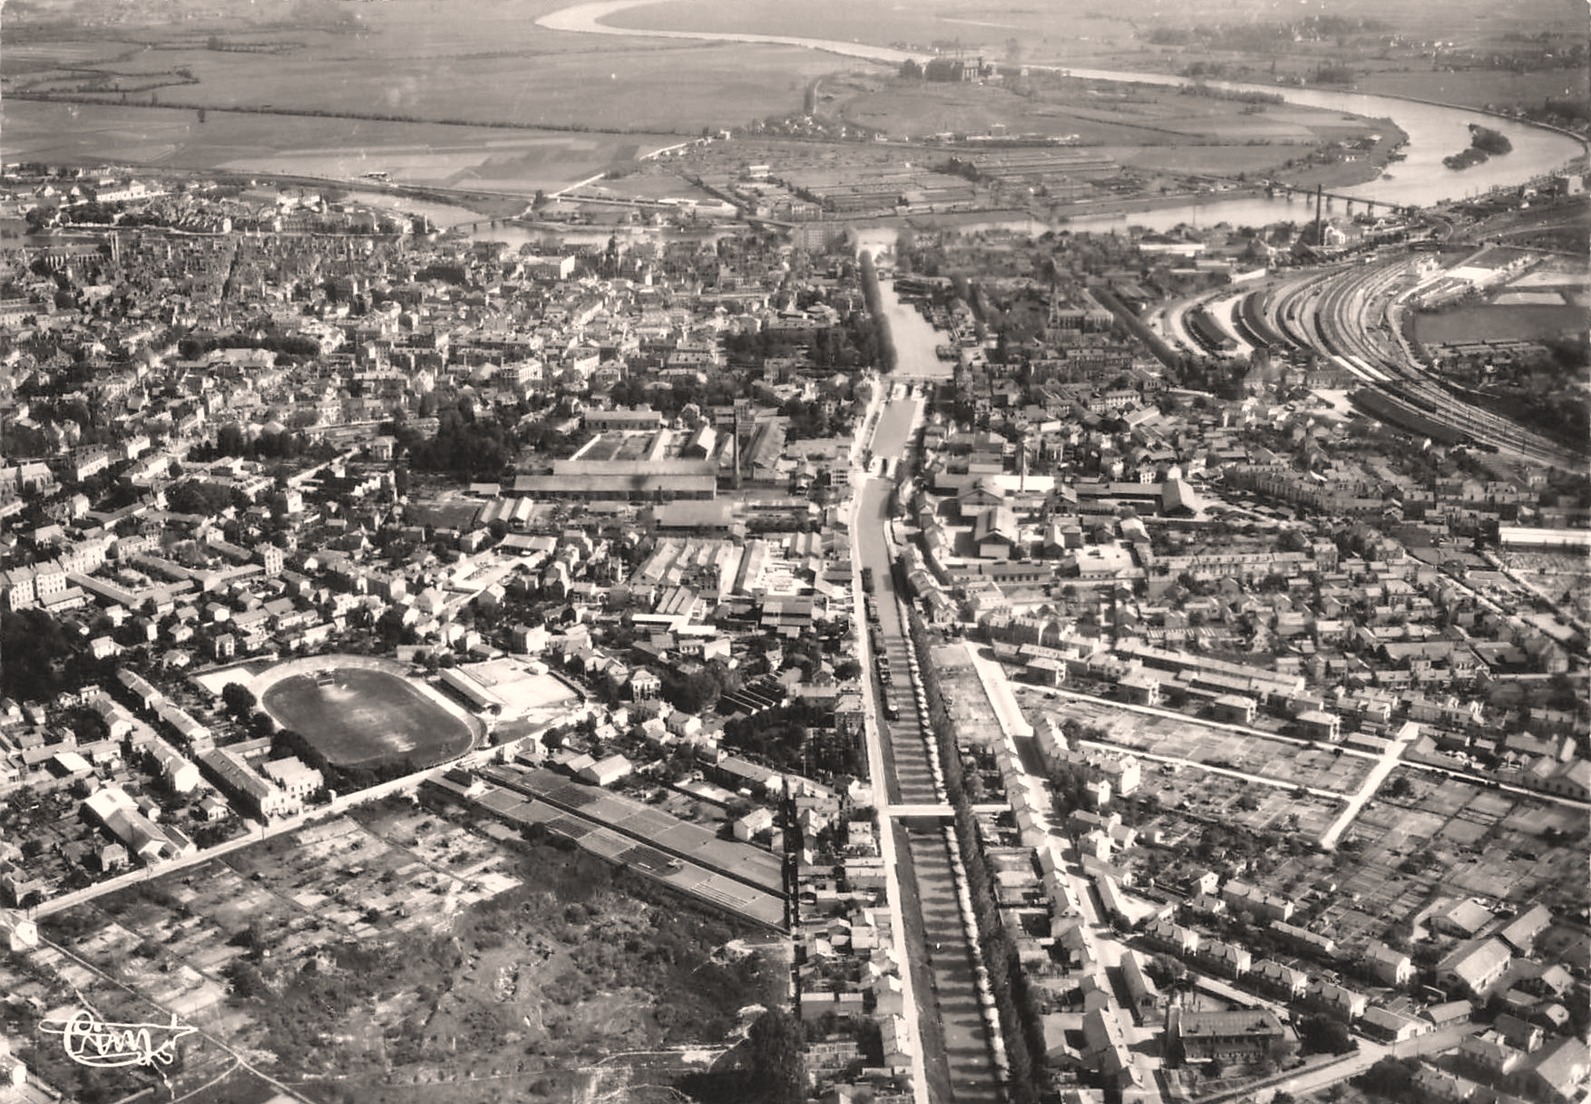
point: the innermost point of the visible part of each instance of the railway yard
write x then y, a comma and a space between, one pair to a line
1354, 314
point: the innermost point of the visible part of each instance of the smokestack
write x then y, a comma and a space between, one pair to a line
1320, 241
737, 446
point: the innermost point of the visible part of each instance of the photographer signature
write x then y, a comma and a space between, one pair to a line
90, 1041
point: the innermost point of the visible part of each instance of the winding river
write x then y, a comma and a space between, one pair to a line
1434, 130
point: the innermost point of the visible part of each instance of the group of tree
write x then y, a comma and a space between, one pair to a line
874, 299
38, 659
720, 390
771, 1066
194, 346
1489, 141
238, 699
697, 689
800, 737
1017, 1005
1322, 1034
195, 496
343, 779
232, 440
465, 443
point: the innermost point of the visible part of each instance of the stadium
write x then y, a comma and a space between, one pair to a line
364, 712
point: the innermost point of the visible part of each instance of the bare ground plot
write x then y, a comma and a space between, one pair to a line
1229, 160
965, 700
1193, 797
1319, 767
652, 180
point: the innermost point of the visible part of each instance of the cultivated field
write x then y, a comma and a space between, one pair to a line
1098, 113
517, 162
673, 87
1457, 838
367, 717
364, 91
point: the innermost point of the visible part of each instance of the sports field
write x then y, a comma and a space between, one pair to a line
362, 718
1512, 323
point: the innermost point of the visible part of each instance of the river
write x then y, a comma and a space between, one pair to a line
1434, 131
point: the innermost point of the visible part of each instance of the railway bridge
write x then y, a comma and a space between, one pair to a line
1277, 188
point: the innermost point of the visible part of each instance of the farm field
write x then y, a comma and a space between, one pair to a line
1478, 87
1463, 839
1195, 796
1559, 575
672, 87
483, 64
424, 154
1441, 839
1097, 112
366, 91
366, 717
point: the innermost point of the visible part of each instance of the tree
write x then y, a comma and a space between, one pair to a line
1324, 1035
246, 979
777, 1071
36, 652
1389, 1078
238, 699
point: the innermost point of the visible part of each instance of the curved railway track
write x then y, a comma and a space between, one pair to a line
1346, 313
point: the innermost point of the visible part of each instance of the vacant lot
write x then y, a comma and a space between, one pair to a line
366, 718
1323, 767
